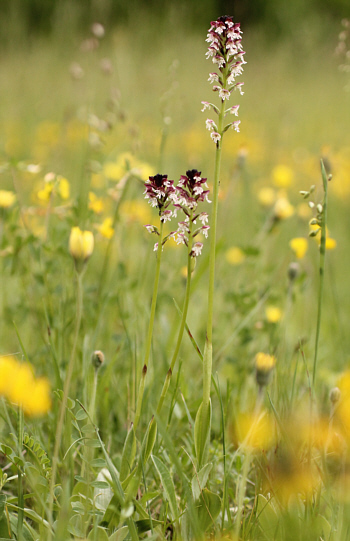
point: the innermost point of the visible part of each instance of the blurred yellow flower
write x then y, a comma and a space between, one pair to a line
255, 431
330, 243
136, 211
106, 228
63, 187
273, 313
283, 209
299, 246
81, 244
235, 255
282, 176
304, 211
95, 203
7, 199
267, 196
19, 385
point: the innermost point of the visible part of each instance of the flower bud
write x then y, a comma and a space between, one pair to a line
293, 271
264, 365
97, 359
81, 244
335, 395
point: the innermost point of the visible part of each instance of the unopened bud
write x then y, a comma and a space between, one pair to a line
264, 365
293, 271
334, 395
311, 204
319, 208
97, 359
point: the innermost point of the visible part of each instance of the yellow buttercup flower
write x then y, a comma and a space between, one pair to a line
63, 187
255, 431
330, 243
234, 255
7, 199
273, 313
283, 209
95, 203
81, 244
20, 386
282, 176
106, 228
299, 246
267, 196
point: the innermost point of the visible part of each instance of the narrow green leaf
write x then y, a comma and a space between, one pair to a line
129, 452
202, 433
168, 485
200, 479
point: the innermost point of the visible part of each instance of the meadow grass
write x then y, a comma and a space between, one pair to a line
277, 462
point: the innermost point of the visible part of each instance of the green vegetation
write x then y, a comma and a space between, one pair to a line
119, 451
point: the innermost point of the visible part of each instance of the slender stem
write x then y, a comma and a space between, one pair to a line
66, 388
183, 320
20, 477
207, 360
241, 492
321, 269
150, 329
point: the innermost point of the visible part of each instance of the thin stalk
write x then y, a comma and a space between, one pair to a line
150, 329
207, 360
20, 477
59, 429
321, 268
241, 492
183, 320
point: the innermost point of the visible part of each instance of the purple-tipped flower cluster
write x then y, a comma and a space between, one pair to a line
225, 49
185, 197
160, 192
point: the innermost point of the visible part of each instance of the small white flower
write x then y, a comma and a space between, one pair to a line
234, 110
238, 86
206, 105
219, 60
166, 216
155, 247
213, 78
235, 125
196, 249
197, 190
205, 230
224, 94
215, 136
203, 217
210, 124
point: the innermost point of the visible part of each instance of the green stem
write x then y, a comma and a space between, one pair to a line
66, 388
183, 320
150, 329
20, 477
321, 269
241, 493
207, 359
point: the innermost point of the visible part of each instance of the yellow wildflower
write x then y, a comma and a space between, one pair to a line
136, 211
255, 431
282, 176
106, 228
273, 313
330, 243
299, 246
234, 255
267, 196
7, 199
81, 244
19, 385
63, 187
283, 209
95, 203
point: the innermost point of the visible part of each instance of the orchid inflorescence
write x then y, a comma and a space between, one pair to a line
184, 197
225, 49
